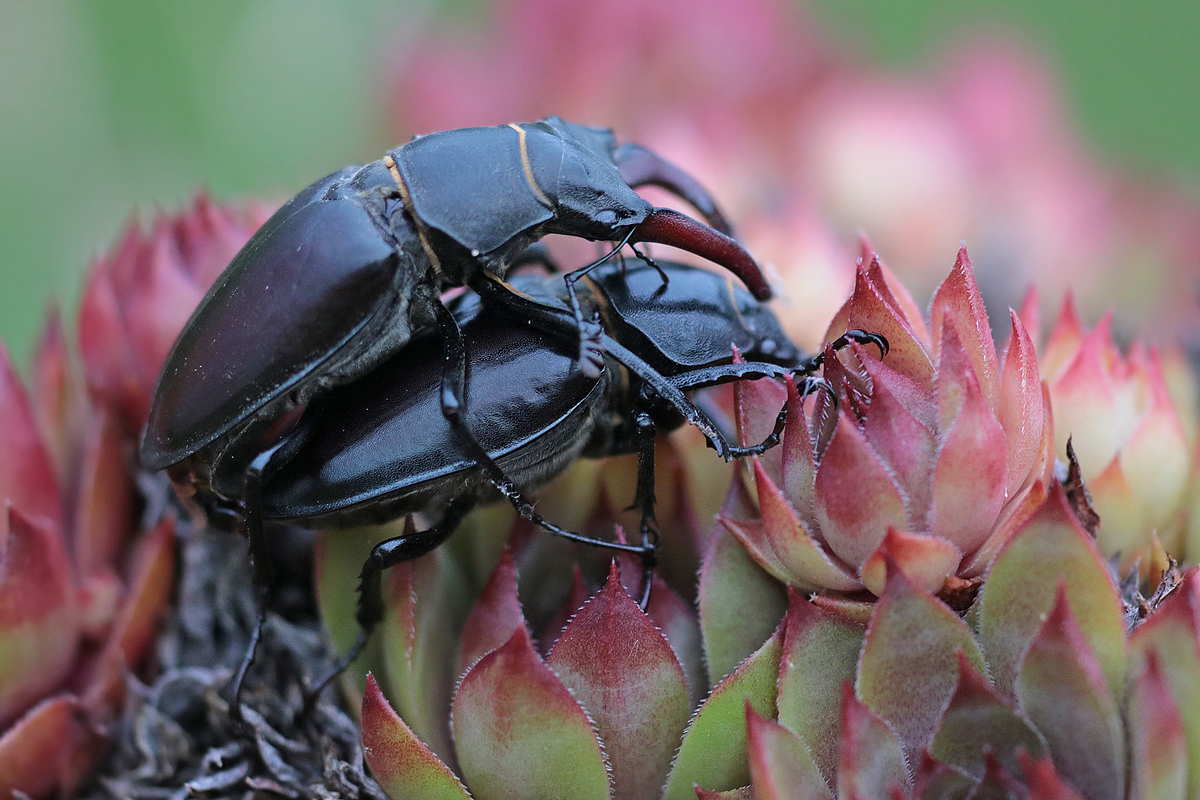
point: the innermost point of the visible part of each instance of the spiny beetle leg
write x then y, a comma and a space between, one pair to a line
811, 365
453, 372
644, 501
261, 568
407, 546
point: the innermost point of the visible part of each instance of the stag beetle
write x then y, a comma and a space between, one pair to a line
380, 447
341, 276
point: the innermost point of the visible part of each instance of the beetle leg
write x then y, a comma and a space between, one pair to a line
641, 167
644, 501
453, 379
811, 365
262, 570
388, 553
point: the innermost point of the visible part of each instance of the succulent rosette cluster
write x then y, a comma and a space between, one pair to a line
84, 582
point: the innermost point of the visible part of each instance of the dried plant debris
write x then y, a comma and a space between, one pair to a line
176, 738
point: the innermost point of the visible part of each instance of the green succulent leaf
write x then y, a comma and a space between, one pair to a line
623, 672
978, 721
871, 761
1173, 634
820, 653
713, 753
401, 762
518, 731
1061, 687
1051, 549
781, 767
740, 605
909, 668
1158, 750
426, 601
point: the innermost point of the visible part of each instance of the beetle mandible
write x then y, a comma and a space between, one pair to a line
343, 274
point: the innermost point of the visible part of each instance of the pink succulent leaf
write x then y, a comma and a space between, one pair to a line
799, 463
1064, 340
979, 721
1172, 634
52, 747
740, 604
958, 299
146, 604
1064, 692
1030, 314
1158, 758
713, 752
925, 560
57, 395
900, 429
857, 498
806, 563
404, 766
871, 760
553, 628
512, 716
679, 623
1050, 549
104, 504
820, 653
1086, 407
757, 404
1020, 406
1156, 456
28, 479
1019, 510
1114, 499
908, 668
425, 601
872, 309
623, 672
969, 477
109, 365
1044, 781
495, 617
39, 621
781, 767
897, 295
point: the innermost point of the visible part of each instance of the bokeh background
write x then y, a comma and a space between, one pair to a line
118, 108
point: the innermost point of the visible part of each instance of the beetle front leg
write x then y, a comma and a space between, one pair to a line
811, 365
644, 500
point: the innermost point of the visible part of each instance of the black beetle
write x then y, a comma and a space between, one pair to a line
380, 447
343, 274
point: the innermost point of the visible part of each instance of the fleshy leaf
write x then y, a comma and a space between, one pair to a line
680, 626
1063, 691
104, 505
740, 793
1051, 548
925, 560
908, 669
871, 310
804, 558
756, 405
1085, 404
518, 732
1020, 409
713, 753
856, 497
1158, 757
971, 469
495, 617
958, 299
870, 761
1173, 634
979, 721
39, 622
403, 765
820, 653
49, 748
622, 671
1044, 781
28, 479
425, 601
781, 767
740, 605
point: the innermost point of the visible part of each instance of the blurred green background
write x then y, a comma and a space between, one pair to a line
114, 107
